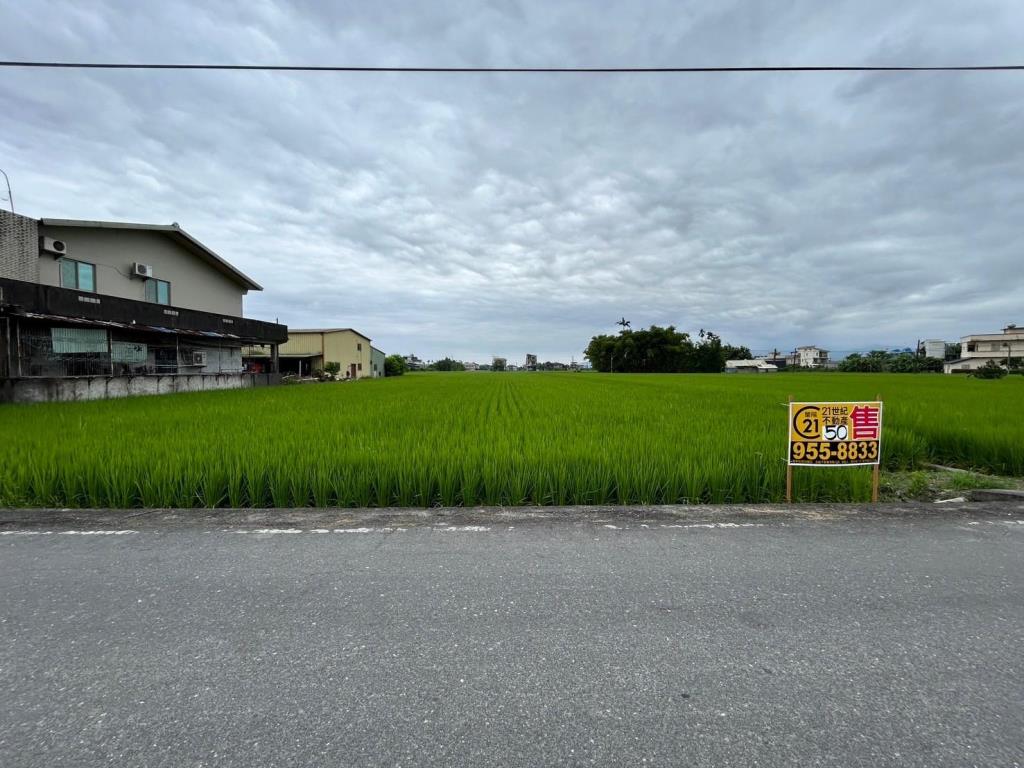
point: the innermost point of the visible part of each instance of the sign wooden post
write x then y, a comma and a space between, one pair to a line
789, 473
847, 434
876, 471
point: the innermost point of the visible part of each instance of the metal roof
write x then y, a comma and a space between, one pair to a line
175, 232
328, 330
128, 326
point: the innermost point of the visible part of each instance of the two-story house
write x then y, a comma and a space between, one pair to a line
809, 357
92, 309
979, 348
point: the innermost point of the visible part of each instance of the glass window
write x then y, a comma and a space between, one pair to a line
158, 291
86, 277
359, 346
68, 274
77, 275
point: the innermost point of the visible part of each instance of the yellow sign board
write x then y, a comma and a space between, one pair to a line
835, 434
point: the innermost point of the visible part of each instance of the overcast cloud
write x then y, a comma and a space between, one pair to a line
472, 215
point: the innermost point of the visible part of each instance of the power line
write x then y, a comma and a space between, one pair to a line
514, 70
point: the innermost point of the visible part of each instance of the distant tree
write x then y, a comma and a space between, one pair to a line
446, 364
332, 369
661, 350
990, 370
736, 353
498, 364
395, 365
880, 361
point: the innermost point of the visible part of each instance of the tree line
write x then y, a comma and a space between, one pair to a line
661, 350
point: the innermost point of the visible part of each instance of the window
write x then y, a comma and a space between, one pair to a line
158, 291
360, 366
77, 275
359, 346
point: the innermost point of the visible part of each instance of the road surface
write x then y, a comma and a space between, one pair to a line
776, 643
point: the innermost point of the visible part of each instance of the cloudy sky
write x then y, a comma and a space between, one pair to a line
479, 214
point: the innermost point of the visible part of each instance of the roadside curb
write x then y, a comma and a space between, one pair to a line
400, 516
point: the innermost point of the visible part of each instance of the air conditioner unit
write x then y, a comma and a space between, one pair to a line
142, 270
199, 357
54, 246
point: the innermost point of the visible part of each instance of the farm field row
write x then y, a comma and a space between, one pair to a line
484, 438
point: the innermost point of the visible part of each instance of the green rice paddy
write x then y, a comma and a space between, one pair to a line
487, 438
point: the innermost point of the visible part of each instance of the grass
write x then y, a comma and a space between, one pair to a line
487, 438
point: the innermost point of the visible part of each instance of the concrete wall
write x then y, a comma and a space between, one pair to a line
102, 387
19, 247
194, 283
377, 358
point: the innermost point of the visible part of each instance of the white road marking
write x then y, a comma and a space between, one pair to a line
466, 528
66, 533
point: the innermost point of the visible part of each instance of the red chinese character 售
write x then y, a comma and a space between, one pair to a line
865, 422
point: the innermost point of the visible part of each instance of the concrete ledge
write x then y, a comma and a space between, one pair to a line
996, 494
335, 517
42, 390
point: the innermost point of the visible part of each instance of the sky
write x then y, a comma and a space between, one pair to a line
471, 215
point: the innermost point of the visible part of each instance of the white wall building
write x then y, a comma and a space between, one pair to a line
934, 348
979, 348
809, 357
749, 366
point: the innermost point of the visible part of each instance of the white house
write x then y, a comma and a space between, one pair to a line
809, 357
979, 348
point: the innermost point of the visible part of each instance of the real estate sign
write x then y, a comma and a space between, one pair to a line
835, 434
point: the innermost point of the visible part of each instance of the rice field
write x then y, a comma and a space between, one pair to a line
486, 438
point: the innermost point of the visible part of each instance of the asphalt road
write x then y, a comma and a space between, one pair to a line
842, 643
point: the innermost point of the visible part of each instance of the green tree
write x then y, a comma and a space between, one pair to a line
395, 365
661, 350
446, 364
880, 361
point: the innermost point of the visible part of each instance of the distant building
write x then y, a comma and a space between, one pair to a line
472, 366
531, 363
309, 349
749, 366
978, 349
809, 357
775, 358
377, 357
934, 348
413, 363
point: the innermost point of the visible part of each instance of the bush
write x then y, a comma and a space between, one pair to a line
395, 365
990, 370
